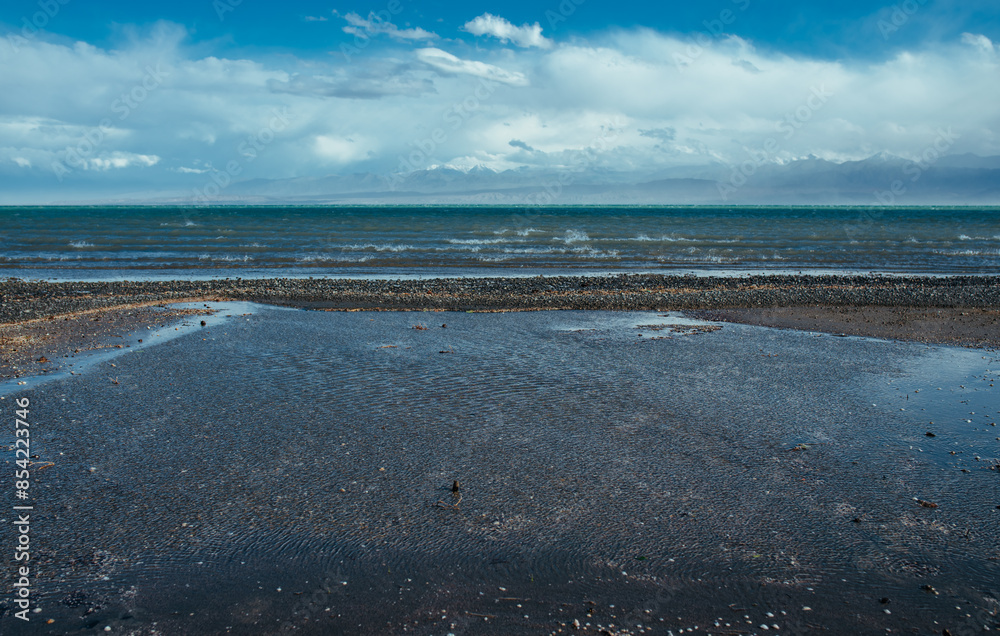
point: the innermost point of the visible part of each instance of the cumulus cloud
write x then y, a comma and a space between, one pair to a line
118, 160
359, 86
448, 63
979, 41
525, 36
374, 25
155, 111
339, 150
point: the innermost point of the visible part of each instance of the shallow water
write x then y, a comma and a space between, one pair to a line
296, 467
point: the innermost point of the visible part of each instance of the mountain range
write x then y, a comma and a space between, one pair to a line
882, 179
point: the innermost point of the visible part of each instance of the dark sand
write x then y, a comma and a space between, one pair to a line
41, 345
290, 472
967, 327
54, 320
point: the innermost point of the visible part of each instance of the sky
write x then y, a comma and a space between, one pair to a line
118, 99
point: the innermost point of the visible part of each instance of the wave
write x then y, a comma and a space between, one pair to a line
80, 244
966, 237
534, 250
527, 232
476, 241
643, 238
330, 258
574, 236
968, 252
225, 258
384, 247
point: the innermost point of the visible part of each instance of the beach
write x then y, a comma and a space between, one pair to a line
437, 319
455, 457
498, 420
53, 320
280, 470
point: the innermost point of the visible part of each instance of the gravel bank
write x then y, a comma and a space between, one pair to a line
24, 300
41, 320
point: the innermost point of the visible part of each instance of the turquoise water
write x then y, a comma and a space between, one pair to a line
160, 242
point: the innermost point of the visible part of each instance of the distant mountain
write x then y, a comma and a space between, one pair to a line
878, 180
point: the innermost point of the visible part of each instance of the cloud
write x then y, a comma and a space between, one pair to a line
448, 63
622, 100
373, 25
979, 41
354, 87
116, 160
524, 36
663, 134
339, 150
313, 18
747, 66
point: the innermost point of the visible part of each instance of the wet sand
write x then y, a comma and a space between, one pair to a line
54, 320
292, 471
44, 345
961, 326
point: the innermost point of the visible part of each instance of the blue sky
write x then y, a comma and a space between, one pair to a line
829, 30
117, 98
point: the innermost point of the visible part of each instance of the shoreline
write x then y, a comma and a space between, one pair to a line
40, 321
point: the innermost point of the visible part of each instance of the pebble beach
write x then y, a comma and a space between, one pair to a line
962, 310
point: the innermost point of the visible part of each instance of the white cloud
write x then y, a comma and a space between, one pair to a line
526, 35
118, 160
338, 149
373, 25
979, 41
444, 61
674, 104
